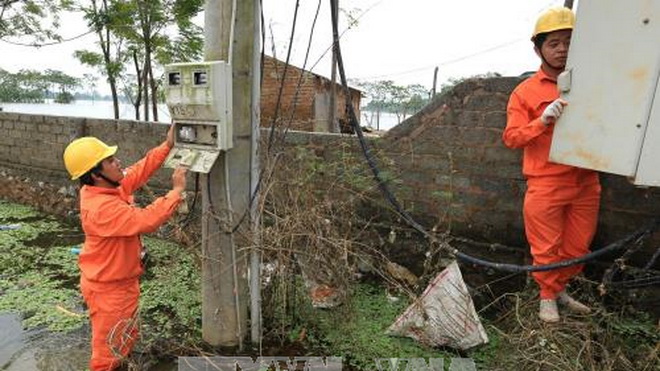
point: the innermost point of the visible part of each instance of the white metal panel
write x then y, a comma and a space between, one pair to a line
648, 172
613, 66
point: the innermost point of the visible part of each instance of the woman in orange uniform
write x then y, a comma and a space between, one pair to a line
561, 203
110, 260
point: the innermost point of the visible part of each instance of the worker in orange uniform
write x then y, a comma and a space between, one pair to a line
110, 260
561, 203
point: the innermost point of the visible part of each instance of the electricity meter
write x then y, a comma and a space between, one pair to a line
199, 98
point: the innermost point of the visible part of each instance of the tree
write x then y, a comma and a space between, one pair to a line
138, 33
37, 19
100, 18
28, 86
64, 83
378, 92
150, 39
386, 96
90, 82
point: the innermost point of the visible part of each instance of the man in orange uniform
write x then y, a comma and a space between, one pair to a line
561, 202
110, 260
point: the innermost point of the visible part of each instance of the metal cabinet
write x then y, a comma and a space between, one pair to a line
612, 122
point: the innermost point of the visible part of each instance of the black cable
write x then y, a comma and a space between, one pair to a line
300, 78
263, 44
410, 220
635, 283
286, 68
297, 92
637, 235
35, 45
619, 264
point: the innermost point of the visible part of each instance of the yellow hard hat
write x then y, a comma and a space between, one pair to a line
81, 155
554, 19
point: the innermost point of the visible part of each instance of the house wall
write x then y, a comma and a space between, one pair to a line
311, 101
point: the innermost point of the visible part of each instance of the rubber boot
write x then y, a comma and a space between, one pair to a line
573, 305
548, 311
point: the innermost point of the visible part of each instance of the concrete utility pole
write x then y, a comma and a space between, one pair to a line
568, 4
230, 36
333, 127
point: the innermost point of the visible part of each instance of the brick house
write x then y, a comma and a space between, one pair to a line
312, 103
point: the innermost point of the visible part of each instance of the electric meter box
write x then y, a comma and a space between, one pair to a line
199, 98
612, 121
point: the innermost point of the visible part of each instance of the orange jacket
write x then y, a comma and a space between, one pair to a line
112, 224
524, 129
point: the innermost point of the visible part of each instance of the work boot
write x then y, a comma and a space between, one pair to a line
575, 306
548, 311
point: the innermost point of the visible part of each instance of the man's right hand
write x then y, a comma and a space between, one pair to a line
179, 179
553, 111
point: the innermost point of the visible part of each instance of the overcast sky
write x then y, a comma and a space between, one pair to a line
400, 40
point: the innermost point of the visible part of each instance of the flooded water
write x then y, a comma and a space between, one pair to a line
101, 109
43, 351
104, 110
39, 350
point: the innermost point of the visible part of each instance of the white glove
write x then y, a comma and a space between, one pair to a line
553, 111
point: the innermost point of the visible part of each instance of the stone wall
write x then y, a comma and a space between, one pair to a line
448, 165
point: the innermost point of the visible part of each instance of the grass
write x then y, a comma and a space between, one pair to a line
356, 330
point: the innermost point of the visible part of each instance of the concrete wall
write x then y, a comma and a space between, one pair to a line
449, 166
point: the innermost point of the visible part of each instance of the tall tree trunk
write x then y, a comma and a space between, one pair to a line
138, 98
154, 91
105, 46
145, 88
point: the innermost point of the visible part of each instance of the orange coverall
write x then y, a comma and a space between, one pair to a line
561, 203
110, 258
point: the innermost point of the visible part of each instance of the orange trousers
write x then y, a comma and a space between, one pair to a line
560, 223
112, 313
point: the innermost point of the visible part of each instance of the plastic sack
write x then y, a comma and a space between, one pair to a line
443, 315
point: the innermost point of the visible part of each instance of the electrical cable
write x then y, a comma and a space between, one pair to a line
300, 78
278, 104
641, 233
343, 32
298, 87
35, 45
451, 61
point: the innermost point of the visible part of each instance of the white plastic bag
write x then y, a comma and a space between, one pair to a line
443, 315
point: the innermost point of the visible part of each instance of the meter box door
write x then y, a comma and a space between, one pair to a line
199, 98
612, 121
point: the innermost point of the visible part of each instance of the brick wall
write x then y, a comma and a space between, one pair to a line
449, 166
310, 112
458, 174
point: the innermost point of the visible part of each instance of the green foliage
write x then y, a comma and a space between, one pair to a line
42, 302
635, 330
38, 277
34, 86
38, 20
485, 354
386, 96
171, 300
64, 98
14, 212
356, 330
135, 35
